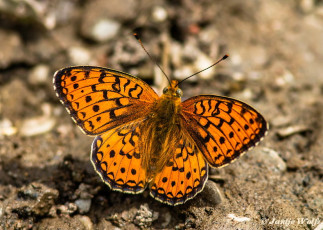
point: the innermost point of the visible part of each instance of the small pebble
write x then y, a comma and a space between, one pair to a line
79, 56
176, 54
291, 130
211, 193
270, 159
67, 209
105, 29
238, 218
319, 227
83, 205
247, 94
279, 121
63, 13
7, 128
307, 5
235, 59
47, 109
86, 221
159, 14
189, 51
202, 61
208, 35
145, 216
64, 129
39, 74
238, 76
286, 78
125, 215
183, 72
84, 191
36, 126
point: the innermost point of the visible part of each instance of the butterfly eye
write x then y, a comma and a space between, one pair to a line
165, 90
179, 92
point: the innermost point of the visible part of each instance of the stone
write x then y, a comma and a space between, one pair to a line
211, 193
83, 205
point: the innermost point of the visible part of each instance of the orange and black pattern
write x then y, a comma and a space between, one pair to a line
223, 128
182, 177
116, 157
100, 99
160, 143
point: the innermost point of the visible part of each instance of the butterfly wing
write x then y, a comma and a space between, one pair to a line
116, 158
183, 176
99, 99
222, 128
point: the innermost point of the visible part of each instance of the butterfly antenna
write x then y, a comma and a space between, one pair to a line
151, 58
223, 58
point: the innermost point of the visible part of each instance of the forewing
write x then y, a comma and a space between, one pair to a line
116, 158
222, 128
99, 99
183, 176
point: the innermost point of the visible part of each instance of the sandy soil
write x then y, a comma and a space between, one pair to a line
275, 65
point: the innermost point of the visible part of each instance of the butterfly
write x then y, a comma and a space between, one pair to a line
159, 143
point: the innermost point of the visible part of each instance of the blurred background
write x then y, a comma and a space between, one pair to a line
275, 65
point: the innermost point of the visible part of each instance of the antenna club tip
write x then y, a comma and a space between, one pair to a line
225, 56
136, 36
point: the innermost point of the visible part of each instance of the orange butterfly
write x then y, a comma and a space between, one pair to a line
143, 140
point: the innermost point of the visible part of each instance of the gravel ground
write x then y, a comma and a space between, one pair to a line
275, 65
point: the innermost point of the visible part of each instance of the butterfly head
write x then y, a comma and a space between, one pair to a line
173, 90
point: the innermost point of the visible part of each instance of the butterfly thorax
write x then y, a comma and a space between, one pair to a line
163, 128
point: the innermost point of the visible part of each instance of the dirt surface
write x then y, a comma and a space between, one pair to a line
275, 65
